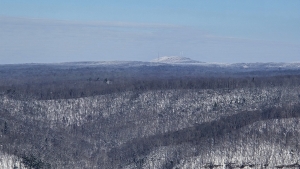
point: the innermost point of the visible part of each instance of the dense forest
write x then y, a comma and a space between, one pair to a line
46, 82
148, 116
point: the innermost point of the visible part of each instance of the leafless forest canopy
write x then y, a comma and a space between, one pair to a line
165, 116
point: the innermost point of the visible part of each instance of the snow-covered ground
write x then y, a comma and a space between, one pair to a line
10, 161
175, 59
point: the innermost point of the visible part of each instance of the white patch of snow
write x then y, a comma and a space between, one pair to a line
174, 59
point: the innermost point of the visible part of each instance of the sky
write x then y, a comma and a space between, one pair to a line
228, 31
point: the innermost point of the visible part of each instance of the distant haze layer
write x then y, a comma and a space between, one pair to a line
48, 41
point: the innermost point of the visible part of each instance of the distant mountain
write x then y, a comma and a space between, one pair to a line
165, 61
174, 59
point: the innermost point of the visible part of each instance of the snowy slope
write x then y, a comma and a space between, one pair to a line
174, 59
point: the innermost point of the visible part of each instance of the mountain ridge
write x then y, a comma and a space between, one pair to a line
166, 60
174, 59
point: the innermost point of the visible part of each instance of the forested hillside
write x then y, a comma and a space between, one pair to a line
148, 116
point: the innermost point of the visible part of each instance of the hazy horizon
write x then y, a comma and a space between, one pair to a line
207, 31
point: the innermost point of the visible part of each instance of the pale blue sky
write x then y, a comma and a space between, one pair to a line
210, 31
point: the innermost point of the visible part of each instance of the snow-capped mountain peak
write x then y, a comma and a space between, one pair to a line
174, 59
